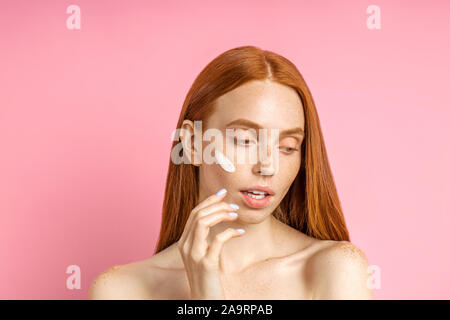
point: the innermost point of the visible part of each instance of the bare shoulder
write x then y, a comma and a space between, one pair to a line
120, 282
137, 280
340, 250
339, 271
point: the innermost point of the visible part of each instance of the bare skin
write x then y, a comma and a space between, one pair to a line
293, 276
271, 260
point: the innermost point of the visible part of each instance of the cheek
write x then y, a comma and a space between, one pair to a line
243, 157
210, 175
213, 177
289, 167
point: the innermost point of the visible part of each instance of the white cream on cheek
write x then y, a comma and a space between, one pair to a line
224, 162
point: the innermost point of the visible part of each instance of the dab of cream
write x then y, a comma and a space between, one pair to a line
224, 162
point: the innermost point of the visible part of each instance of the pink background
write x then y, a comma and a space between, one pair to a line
86, 118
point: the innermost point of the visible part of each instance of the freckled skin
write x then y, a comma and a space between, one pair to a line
351, 251
107, 274
271, 260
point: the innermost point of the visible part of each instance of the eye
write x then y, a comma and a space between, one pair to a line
290, 150
244, 142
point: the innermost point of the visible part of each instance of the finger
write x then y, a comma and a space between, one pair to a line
216, 208
214, 204
220, 195
213, 252
202, 228
211, 199
208, 201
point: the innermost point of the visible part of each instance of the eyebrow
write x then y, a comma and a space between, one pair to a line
251, 124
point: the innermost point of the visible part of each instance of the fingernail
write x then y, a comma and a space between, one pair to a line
233, 214
240, 230
221, 192
234, 206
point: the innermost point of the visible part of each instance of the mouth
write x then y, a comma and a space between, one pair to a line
257, 197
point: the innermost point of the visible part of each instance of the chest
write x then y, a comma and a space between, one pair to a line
271, 281
266, 282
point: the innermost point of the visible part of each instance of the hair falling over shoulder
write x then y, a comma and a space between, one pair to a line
312, 204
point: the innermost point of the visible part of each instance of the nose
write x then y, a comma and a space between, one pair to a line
266, 171
267, 161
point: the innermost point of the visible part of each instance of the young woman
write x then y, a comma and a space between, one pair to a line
286, 237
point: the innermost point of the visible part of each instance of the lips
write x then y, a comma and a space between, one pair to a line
257, 196
264, 189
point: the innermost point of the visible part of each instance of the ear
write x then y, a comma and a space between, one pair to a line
187, 134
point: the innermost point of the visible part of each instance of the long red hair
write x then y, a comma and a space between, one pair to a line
312, 204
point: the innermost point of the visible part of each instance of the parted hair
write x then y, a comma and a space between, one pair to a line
312, 204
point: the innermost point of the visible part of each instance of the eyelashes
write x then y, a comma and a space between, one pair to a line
291, 149
245, 142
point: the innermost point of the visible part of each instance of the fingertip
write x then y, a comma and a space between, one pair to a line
221, 192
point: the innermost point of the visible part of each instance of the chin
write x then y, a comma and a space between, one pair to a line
253, 216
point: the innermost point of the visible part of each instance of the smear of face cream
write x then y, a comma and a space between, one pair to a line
224, 162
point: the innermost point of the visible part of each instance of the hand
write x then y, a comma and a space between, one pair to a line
202, 261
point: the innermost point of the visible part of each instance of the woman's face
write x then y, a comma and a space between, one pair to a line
269, 105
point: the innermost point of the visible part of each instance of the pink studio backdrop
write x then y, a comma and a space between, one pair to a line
86, 118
